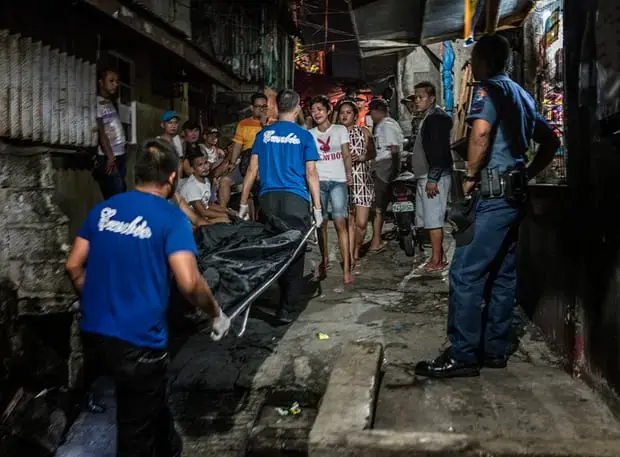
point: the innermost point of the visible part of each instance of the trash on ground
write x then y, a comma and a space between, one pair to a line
294, 410
322, 336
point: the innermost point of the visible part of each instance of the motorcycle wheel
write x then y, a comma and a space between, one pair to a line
409, 245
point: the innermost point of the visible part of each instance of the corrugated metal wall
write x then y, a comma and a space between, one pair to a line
46, 96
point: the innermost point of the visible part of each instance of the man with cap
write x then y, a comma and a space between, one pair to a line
215, 154
388, 143
170, 125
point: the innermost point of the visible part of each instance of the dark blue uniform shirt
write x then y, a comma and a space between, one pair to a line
512, 112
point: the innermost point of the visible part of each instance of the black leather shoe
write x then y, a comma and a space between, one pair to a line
445, 366
284, 317
494, 362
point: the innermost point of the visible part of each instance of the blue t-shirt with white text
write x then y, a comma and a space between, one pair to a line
127, 285
283, 149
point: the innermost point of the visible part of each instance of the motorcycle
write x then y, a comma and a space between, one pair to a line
403, 190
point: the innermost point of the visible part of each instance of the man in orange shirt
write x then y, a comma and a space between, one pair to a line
243, 141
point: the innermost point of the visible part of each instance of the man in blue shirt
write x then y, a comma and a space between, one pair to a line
483, 272
121, 264
285, 155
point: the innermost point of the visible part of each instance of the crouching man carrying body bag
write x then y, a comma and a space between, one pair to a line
504, 120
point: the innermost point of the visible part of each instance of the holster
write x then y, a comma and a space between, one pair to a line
510, 185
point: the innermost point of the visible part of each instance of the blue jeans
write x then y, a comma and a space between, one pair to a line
337, 194
114, 183
483, 283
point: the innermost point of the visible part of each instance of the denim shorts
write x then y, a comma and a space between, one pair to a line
337, 195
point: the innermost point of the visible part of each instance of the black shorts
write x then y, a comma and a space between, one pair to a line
382, 195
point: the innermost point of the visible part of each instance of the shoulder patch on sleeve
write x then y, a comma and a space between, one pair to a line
481, 96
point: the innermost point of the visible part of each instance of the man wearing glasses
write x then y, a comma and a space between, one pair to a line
243, 141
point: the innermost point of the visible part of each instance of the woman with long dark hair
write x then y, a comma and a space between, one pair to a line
362, 190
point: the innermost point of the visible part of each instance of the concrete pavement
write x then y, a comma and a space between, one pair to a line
225, 395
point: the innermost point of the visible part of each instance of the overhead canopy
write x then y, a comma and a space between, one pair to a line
389, 26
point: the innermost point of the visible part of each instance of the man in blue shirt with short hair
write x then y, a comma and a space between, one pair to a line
121, 264
285, 155
483, 272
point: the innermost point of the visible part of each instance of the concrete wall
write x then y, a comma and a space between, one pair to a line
415, 66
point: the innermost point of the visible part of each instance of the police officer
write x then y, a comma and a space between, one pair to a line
503, 119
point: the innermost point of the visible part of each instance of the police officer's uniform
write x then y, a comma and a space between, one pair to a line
483, 269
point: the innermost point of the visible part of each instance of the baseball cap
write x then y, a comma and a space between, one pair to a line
211, 130
168, 115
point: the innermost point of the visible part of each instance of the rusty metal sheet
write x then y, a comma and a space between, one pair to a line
4, 83
63, 111
26, 92
15, 79
71, 86
46, 101
54, 96
37, 82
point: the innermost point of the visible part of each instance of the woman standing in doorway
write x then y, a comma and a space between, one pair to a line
362, 190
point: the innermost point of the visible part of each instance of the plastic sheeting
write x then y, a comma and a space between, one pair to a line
236, 259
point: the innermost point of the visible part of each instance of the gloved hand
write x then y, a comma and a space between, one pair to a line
318, 217
244, 212
220, 327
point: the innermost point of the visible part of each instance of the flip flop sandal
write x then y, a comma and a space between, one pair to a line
378, 250
433, 269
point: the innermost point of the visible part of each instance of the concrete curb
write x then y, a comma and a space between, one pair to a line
344, 421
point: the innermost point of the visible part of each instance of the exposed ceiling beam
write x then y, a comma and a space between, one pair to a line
492, 8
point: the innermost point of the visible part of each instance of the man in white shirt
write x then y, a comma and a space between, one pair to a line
388, 142
334, 170
197, 191
111, 162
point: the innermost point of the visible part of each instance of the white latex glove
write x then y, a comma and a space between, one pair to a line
220, 327
244, 212
318, 217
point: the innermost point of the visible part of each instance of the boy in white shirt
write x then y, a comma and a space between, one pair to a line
197, 191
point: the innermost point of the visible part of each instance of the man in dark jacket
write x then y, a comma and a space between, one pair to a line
432, 165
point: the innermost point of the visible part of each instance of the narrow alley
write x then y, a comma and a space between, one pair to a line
161, 160
226, 397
